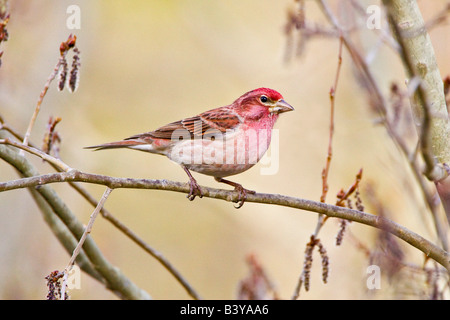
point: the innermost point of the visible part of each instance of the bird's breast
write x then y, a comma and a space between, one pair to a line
222, 155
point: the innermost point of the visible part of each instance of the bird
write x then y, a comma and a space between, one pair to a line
220, 142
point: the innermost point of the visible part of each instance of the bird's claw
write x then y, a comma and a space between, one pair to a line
242, 195
194, 190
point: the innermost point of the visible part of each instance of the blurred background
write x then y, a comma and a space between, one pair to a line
148, 63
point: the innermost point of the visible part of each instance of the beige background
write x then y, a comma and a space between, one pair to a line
148, 63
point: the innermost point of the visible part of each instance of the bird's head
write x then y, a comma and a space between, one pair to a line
262, 102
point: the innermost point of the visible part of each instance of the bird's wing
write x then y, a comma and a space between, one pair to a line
221, 119
218, 120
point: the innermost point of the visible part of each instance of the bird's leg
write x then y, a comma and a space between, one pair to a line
194, 189
239, 189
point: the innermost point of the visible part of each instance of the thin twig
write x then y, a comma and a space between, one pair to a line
41, 98
342, 197
322, 218
57, 162
412, 160
345, 195
63, 49
376, 98
86, 232
331, 133
154, 253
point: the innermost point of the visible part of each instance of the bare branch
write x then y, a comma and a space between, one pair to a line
428, 101
63, 49
59, 165
70, 230
139, 241
86, 232
41, 98
331, 133
52, 160
304, 276
403, 233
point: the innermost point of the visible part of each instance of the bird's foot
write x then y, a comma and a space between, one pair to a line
242, 192
194, 190
242, 195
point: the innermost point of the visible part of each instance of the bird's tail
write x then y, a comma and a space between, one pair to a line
115, 145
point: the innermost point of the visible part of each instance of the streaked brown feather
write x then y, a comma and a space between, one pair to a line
221, 119
116, 144
213, 121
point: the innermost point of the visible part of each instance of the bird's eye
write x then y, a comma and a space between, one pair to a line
263, 99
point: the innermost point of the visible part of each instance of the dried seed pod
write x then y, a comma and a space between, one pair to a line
74, 78
359, 204
308, 262
325, 262
342, 228
62, 74
54, 285
52, 137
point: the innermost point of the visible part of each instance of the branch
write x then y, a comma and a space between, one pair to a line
41, 98
74, 175
68, 230
69, 244
331, 133
86, 232
374, 93
52, 160
303, 280
401, 232
64, 47
378, 102
139, 241
428, 102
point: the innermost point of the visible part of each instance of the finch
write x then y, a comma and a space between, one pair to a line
220, 142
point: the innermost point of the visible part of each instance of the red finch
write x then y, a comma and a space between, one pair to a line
220, 142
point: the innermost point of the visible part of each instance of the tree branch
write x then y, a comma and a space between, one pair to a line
69, 244
428, 101
86, 232
377, 100
401, 232
70, 230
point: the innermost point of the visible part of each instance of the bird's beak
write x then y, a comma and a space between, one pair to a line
281, 106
